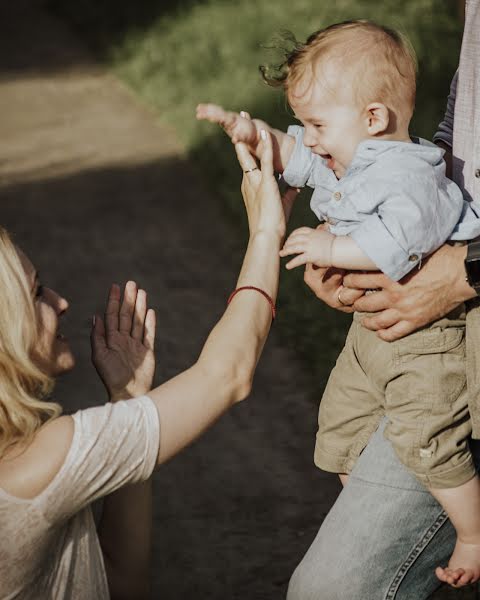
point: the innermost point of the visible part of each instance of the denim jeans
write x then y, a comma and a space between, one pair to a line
381, 540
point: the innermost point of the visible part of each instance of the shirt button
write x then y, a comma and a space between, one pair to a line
477, 173
413, 257
337, 195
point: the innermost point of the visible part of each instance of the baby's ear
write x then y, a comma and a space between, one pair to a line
378, 118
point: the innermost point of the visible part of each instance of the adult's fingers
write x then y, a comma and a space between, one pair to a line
349, 296
97, 336
128, 307
112, 309
139, 315
149, 330
374, 302
266, 154
245, 158
382, 320
366, 281
396, 332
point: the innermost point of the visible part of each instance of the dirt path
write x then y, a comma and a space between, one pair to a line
96, 191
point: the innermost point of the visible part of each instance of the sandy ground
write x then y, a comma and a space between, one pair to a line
96, 191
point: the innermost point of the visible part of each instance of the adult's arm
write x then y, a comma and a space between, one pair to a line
188, 404
125, 362
185, 406
418, 299
223, 373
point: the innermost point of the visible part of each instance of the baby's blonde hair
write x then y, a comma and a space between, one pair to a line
377, 61
22, 383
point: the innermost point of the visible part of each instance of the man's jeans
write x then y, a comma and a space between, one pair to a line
381, 540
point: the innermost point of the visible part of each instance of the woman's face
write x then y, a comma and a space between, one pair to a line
52, 353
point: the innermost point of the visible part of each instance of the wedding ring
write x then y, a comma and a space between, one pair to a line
250, 170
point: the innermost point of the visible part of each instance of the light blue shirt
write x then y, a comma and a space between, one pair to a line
394, 200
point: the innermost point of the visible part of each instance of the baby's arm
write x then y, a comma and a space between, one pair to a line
323, 249
240, 128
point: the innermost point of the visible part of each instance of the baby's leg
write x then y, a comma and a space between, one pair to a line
462, 504
429, 425
382, 538
350, 411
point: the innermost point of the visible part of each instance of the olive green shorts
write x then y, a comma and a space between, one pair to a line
419, 383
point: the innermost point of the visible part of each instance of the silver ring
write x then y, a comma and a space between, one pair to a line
250, 170
338, 297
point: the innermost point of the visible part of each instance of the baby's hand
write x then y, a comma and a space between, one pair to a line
311, 246
239, 127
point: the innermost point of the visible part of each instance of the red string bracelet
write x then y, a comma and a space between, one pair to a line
252, 287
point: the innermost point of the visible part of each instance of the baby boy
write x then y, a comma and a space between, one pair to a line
387, 204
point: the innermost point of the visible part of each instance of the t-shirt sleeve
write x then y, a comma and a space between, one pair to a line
113, 445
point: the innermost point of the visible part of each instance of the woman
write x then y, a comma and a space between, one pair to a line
53, 467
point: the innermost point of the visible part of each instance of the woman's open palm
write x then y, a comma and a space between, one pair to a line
123, 342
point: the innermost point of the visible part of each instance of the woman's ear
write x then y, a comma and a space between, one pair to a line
377, 117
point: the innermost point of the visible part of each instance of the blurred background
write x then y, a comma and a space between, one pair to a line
103, 181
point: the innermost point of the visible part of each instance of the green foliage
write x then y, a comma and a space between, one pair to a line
182, 53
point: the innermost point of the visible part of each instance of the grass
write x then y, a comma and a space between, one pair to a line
182, 53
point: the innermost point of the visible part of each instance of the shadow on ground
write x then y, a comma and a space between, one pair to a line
235, 512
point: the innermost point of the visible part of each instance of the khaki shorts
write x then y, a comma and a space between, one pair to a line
419, 383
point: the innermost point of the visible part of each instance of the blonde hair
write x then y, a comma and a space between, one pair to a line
380, 62
22, 383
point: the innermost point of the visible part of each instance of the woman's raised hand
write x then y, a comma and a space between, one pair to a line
122, 343
265, 209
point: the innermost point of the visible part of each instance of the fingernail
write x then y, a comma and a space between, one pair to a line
242, 113
263, 134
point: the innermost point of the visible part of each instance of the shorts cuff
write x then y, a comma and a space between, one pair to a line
450, 478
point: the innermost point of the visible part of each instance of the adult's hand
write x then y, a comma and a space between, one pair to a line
266, 210
122, 344
327, 285
418, 299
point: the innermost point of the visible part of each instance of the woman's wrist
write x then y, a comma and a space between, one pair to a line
267, 235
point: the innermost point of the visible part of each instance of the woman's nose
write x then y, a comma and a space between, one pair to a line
59, 303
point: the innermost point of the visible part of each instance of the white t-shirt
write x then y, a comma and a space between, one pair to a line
49, 548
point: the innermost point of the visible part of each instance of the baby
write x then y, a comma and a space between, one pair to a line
387, 204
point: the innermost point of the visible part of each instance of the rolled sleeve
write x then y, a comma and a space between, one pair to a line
300, 166
375, 240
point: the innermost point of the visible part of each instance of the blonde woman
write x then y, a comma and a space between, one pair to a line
53, 467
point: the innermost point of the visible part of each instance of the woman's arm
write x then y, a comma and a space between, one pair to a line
223, 374
122, 353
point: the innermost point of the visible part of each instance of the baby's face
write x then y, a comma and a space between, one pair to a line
334, 125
